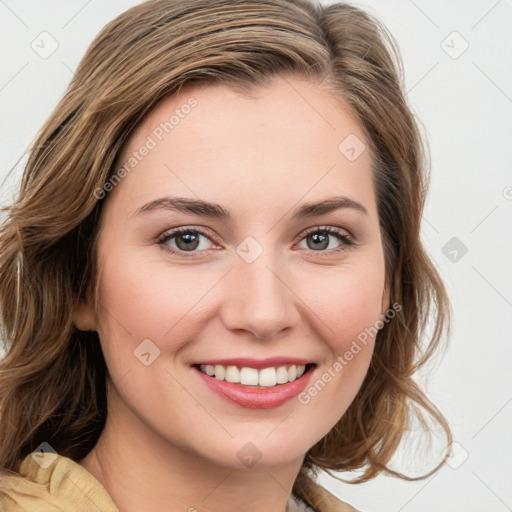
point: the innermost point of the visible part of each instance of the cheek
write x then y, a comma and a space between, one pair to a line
142, 298
346, 309
345, 303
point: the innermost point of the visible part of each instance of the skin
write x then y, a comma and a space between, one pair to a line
169, 442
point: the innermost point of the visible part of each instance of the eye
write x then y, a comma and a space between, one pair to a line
194, 240
319, 238
185, 240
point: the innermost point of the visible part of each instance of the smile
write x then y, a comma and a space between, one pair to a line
247, 376
256, 384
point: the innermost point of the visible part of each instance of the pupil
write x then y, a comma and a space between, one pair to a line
191, 241
323, 239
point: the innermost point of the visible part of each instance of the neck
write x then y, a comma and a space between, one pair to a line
144, 472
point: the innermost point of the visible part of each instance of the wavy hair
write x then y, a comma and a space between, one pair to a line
53, 376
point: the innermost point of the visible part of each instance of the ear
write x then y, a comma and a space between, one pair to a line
83, 314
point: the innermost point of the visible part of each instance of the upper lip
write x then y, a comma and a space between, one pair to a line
242, 362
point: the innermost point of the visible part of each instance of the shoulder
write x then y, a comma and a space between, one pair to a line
319, 499
57, 484
330, 503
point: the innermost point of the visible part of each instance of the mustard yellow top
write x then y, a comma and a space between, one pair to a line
62, 486
55, 483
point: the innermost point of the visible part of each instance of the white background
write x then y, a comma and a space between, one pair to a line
464, 101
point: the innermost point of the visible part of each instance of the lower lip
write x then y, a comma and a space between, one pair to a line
256, 398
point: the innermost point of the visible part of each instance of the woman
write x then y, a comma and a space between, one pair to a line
212, 282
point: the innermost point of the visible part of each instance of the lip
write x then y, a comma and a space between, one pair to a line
258, 364
255, 397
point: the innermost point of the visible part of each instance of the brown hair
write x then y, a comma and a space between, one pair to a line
53, 377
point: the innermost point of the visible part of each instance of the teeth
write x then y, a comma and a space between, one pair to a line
249, 376
266, 377
232, 374
282, 375
220, 372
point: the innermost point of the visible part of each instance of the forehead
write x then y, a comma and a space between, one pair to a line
285, 139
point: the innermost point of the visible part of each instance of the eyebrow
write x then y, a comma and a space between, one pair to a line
216, 211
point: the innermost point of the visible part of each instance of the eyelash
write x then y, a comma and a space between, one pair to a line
347, 240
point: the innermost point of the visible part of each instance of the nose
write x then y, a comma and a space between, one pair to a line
259, 299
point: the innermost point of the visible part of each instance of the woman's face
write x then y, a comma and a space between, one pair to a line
253, 281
